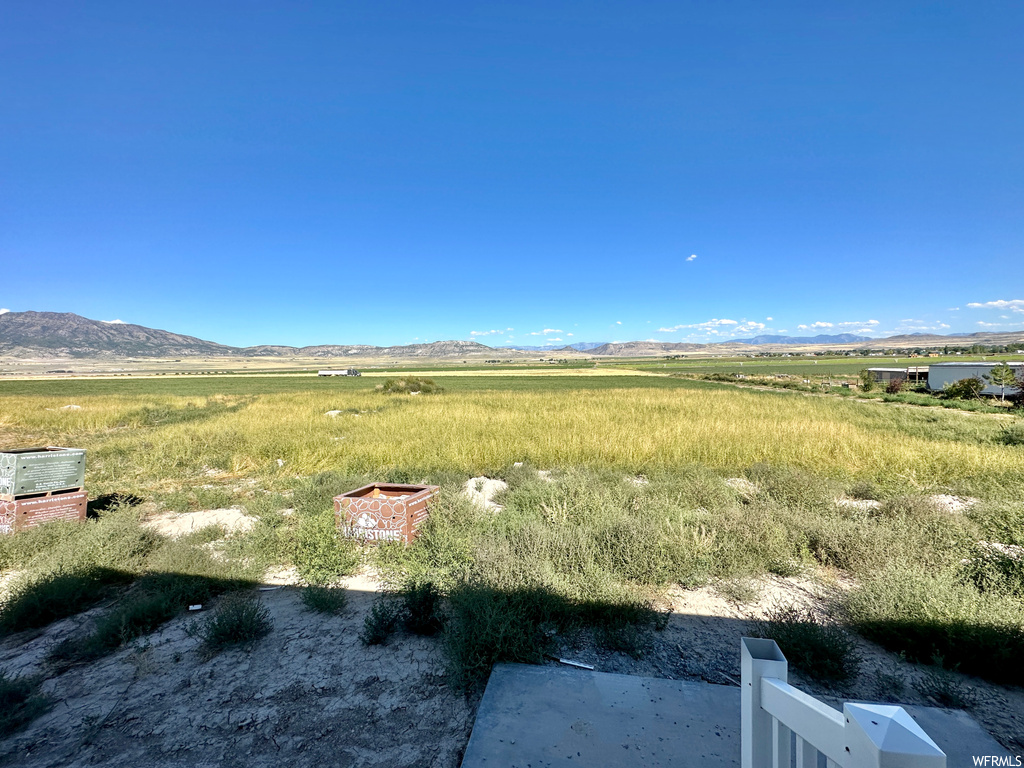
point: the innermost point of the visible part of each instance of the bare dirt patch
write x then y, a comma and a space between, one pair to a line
307, 694
175, 524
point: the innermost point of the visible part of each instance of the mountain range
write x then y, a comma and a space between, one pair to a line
49, 335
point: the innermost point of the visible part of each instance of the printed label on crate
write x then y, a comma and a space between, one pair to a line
375, 519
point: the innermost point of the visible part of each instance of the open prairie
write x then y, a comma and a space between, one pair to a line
622, 493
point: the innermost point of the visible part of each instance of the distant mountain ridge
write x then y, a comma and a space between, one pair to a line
64, 334
47, 335
839, 338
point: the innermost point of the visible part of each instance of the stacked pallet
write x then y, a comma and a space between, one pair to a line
38, 485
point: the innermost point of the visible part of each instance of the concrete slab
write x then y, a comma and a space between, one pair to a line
550, 717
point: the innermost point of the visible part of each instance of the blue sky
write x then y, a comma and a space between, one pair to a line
390, 172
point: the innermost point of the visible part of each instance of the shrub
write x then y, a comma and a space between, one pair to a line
865, 489
867, 380
1013, 434
325, 600
938, 615
408, 385
379, 624
421, 604
322, 555
895, 386
821, 650
240, 620
964, 389
36, 601
20, 702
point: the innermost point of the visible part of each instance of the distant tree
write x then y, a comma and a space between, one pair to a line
895, 386
1002, 376
867, 380
1018, 398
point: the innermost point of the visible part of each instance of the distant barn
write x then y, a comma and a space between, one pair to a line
941, 374
911, 374
342, 372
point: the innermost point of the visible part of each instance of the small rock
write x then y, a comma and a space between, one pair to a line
742, 486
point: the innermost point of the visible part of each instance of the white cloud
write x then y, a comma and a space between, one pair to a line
568, 334
691, 257
983, 324
497, 332
554, 339
1014, 305
769, 319
113, 322
723, 327
618, 322
851, 323
552, 330
4, 310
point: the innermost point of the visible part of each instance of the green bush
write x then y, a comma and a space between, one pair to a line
964, 389
240, 620
938, 615
867, 380
821, 650
1013, 434
322, 555
325, 600
421, 603
408, 385
20, 702
379, 624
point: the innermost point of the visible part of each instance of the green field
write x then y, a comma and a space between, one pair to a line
839, 366
636, 501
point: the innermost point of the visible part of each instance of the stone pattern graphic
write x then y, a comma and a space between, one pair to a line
381, 512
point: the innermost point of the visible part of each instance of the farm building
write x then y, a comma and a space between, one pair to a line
911, 374
342, 372
941, 374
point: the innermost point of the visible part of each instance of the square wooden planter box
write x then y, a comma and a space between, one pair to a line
29, 511
383, 511
40, 470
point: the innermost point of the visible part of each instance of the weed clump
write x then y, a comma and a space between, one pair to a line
940, 615
380, 623
322, 555
20, 702
325, 600
421, 603
240, 620
409, 386
819, 649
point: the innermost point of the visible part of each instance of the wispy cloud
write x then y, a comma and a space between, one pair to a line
1014, 305
497, 332
618, 322
114, 322
816, 325
546, 332
983, 324
719, 327
691, 257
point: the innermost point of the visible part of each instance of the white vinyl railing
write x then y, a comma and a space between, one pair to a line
782, 726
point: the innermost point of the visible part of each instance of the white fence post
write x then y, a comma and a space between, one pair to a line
758, 658
880, 736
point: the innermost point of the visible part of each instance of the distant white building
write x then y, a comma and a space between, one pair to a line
342, 372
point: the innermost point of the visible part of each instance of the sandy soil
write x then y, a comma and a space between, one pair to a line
312, 693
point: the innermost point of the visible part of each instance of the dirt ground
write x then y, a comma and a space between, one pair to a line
311, 693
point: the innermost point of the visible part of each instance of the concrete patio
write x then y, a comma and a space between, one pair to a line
548, 717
